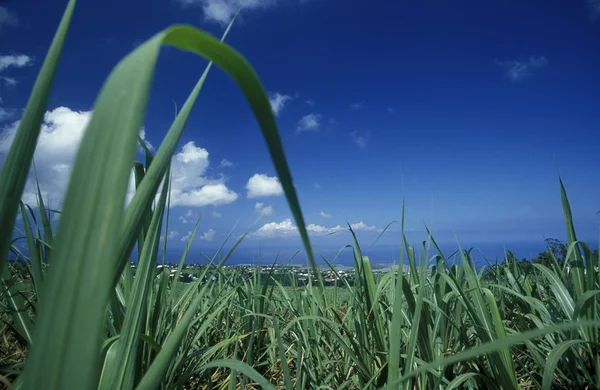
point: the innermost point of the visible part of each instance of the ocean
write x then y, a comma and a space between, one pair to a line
482, 253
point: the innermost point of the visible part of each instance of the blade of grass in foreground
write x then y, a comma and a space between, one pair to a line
19, 158
68, 336
144, 194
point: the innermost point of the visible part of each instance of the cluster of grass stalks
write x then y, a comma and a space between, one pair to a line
75, 316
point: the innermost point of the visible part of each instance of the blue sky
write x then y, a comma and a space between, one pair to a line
467, 110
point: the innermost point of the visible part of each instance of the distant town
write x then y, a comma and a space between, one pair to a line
286, 274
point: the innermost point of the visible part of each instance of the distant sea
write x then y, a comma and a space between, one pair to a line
482, 254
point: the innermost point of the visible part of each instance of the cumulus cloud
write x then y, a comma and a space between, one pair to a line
7, 18
359, 140
262, 210
261, 185
278, 101
60, 136
208, 235
172, 235
324, 214
519, 70
216, 214
189, 186
14, 61
287, 228
225, 163
222, 11
362, 226
310, 122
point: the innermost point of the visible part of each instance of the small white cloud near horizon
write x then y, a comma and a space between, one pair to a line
357, 105
216, 214
172, 234
520, 70
262, 210
310, 122
359, 140
261, 185
287, 228
208, 235
325, 215
225, 163
278, 101
362, 226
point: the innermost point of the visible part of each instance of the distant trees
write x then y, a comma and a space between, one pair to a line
559, 250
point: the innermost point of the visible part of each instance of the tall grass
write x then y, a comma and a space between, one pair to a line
76, 316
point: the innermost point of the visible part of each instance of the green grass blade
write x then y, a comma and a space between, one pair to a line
120, 371
555, 355
241, 368
145, 193
18, 161
491, 347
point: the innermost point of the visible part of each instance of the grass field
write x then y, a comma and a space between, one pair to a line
75, 317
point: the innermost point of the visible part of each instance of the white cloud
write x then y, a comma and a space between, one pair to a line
14, 61
362, 226
208, 235
7, 62
7, 18
216, 214
187, 218
263, 185
221, 11
262, 210
9, 81
189, 186
286, 228
357, 105
5, 114
324, 214
60, 136
187, 236
225, 163
143, 137
519, 70
310, 122
359, 140
278, 101
310, 102
172, 235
